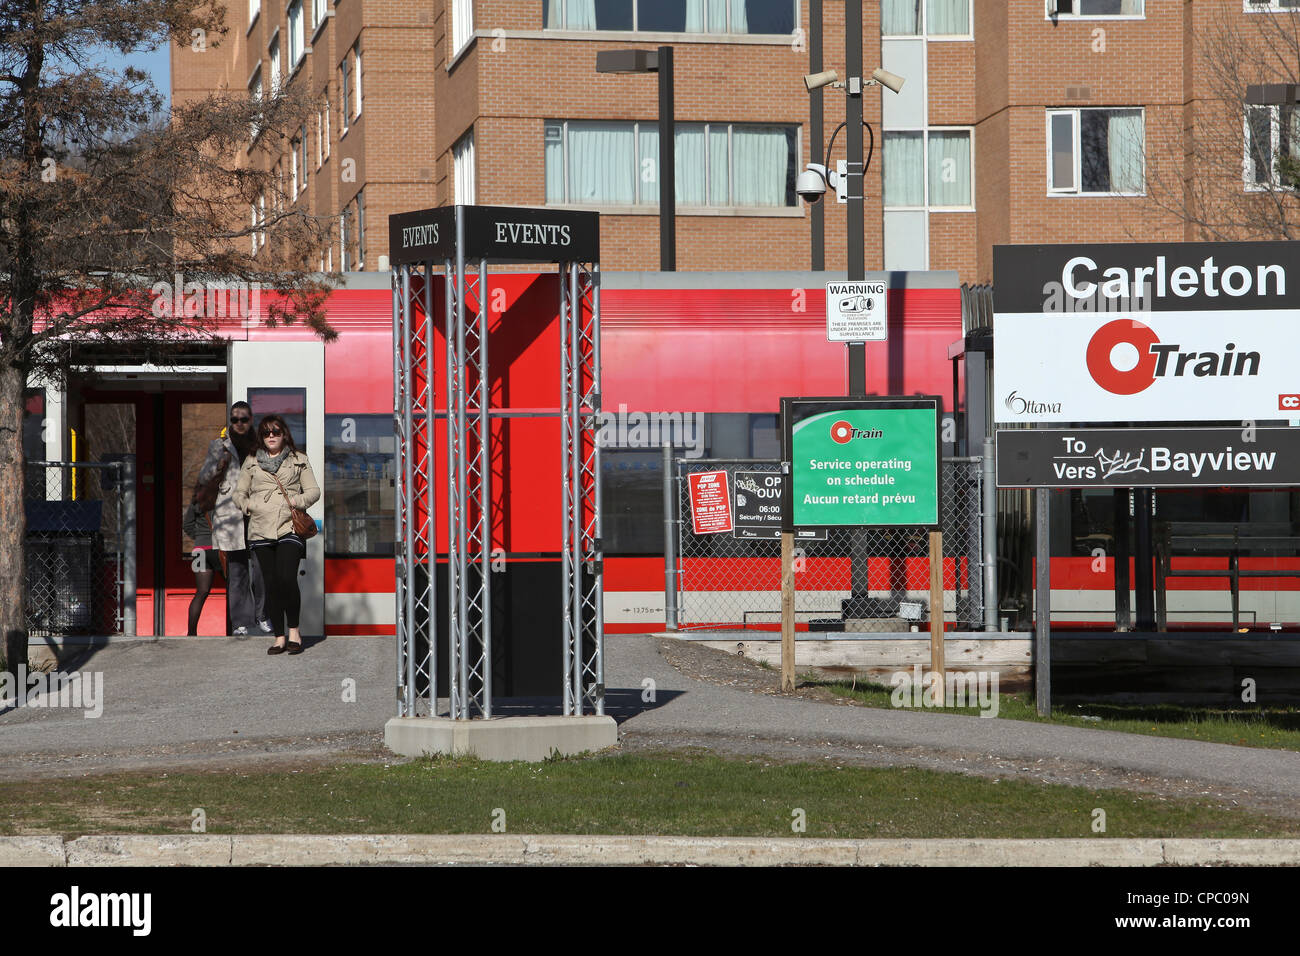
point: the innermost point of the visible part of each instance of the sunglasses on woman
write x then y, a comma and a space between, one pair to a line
273, 430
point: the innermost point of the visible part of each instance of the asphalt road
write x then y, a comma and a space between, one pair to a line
177, 702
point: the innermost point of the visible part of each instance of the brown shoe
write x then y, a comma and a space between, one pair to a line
276, 649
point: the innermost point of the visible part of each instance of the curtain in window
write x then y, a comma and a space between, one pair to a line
947, 17
949, 160
900, 17
1124, 146
904, 185
647, 164
717, 16
719, 167
554, 139
739, 17
601, 163
688, 154
578, 14
761, 158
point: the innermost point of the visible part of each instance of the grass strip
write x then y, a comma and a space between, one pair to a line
688, 793
1249, 725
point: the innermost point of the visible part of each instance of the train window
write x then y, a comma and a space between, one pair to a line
289, 403
632, 498
358, 485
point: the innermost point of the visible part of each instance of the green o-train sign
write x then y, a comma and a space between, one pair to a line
862, 462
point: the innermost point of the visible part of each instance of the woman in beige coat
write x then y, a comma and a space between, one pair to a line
270, 529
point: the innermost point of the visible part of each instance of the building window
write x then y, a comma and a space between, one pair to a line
1272, 146
275, 65
302, 159
673, 16
254, 8
361, 230
345, 254
928, 168
255, 98
345, 84
295, 28
317, 13
936, 18
717, 164
1256, 6
1066, 9
463, 170
462, 24
356, 72
1095, 152
326, 140
360, 452
293, 169
320, 135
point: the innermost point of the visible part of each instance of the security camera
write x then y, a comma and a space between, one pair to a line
815, 81
811, 184
891, 81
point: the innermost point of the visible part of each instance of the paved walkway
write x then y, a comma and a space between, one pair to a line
170, 701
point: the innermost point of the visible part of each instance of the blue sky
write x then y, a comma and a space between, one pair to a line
157, 63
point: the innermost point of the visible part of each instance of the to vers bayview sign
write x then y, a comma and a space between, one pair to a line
862, 462
1147, 457
1146, 332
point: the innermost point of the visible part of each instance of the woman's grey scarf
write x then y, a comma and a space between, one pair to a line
269, 463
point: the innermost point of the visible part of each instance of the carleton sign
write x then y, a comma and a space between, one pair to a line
1145, 332
497, 233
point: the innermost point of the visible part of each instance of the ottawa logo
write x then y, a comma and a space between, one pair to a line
842, 433
1125, 357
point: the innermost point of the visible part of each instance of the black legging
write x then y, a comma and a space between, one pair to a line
279, 563
202, 588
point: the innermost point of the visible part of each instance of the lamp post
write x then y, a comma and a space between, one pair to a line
656, 61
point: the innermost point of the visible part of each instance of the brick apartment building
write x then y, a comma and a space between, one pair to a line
1029, 121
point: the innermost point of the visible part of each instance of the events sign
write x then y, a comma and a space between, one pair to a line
1146, 332
1147, 457
862, 462
710, 502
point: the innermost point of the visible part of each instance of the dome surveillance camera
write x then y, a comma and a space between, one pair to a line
811, 184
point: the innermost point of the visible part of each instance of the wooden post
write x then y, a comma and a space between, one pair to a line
936, 615
787, 611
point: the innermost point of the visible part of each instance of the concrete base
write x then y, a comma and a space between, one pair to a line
501, 738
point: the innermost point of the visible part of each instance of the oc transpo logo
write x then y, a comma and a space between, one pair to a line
1155, 359
842, 432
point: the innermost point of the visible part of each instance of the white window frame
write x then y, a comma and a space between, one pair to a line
360, 203
1076, 148
317, 13
462, 25
463, 170
356, 72
327, 128
273, 51
255, 94
924, 26
1269, 6
343, 240
1274, 145
297, 37
344, 106
1050, 13
640, 204
636, 20
925, 132
254, 11
293, 170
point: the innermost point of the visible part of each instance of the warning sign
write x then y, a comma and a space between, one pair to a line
710, 502
856, 312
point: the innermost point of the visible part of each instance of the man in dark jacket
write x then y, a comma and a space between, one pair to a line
245, 594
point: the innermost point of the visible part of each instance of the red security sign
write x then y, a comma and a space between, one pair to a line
710, 502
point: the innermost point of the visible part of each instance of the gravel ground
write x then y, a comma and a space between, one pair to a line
223, 705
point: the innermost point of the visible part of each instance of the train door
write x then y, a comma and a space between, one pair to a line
168, 430
288, 379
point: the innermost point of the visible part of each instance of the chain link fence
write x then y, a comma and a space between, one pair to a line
75, 548
863, 580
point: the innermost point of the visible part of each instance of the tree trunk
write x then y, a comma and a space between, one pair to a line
13, 520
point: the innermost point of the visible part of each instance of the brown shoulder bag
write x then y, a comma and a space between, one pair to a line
303, 525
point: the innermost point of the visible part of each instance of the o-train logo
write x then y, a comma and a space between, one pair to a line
842, 433
1155, 359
